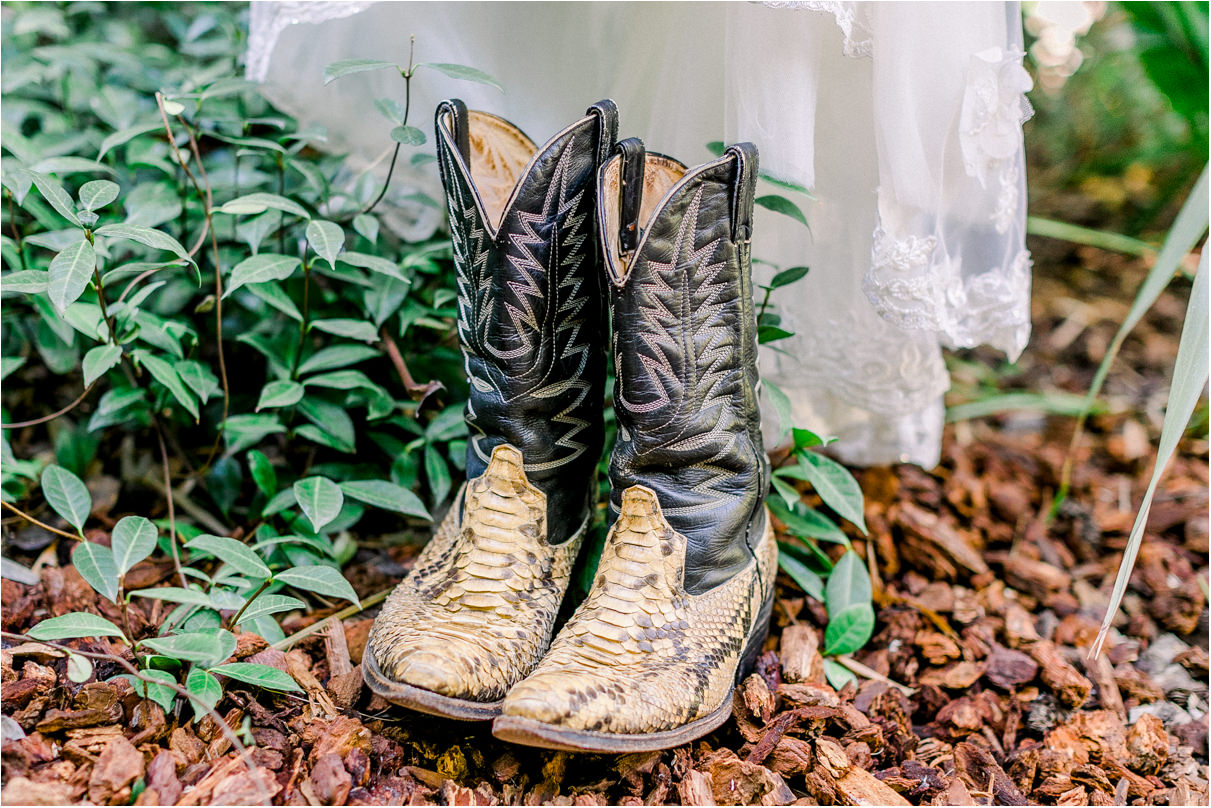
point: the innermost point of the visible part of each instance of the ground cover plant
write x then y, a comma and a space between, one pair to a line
232, 406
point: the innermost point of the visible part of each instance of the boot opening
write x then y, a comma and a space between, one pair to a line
500, 153
660, 173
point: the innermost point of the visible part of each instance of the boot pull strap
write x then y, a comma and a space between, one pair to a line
630, 192
606, 112
459, 120
744, 190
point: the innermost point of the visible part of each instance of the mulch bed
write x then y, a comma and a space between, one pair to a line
986, 613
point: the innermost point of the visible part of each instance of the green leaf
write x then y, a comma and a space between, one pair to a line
788, 276
67, 495
437, 473
167, 375
366, 226
408, 136
231, 552
205, 688
97, 194
69, 274
98, 360
125, 135
260, 269
251, 673
386, 495
205, 647
837, 674
848, 585
175, 594
782, 407
199, 377
96, 565
345, 327
243, 431
30, 281
326, 238
74, 625
270, 604
79, 669
348, 67
789, 495
145, 236
9, 365
251, 204
769, 333
336, 356
280, 394
344, 380
805, 439
375, 264
133, 539
849, 630
780, 204
320, 499
1189, 379
320, 579
53, 193
263, 475
463, 73
273, 294
161, 695
811, 583
835, 485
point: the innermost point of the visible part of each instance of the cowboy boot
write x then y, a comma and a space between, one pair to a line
680, 604
476, 613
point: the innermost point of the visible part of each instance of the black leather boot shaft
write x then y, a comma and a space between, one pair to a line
685, 353
530, 312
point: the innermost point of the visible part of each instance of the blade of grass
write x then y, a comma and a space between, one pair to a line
1189, 377
1189, 227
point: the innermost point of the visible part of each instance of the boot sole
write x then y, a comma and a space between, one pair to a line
529, 732
421, 700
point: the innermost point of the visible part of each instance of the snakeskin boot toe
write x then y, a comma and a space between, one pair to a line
680, 604
476, 613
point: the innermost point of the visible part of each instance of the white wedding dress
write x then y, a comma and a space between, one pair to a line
903, 118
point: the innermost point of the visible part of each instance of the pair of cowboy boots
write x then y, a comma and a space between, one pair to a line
680, 603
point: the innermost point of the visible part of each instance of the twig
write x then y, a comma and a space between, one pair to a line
860, 669
417, 392
53, 415
407, 74
235, 621
172, 513
319, 625
42, 525
228, 733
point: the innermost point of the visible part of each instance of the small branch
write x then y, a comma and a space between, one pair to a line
53, 415
235, 621
343, 614
172, 514
228, 733
417, 392
407, 74
42, 525
860, 669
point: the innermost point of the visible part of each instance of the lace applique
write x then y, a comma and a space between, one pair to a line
859, 40
900, 283
267, 20
994, 109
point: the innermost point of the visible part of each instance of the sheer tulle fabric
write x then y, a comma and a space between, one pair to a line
904, 119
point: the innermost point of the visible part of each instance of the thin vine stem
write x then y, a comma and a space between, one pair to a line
407, 74
172, 513
40, 524
235, 621
53, 415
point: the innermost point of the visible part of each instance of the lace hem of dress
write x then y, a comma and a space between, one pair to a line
911, 288
859, 41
